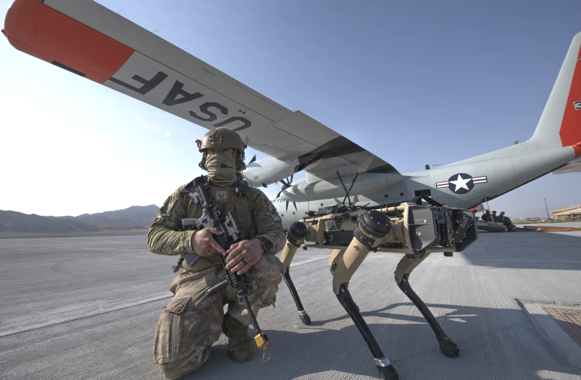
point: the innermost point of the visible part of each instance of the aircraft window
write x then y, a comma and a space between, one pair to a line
401, 194
293, 212
386, 195
321, 205
281, 215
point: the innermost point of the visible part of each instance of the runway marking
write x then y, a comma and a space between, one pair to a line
131, 350
310, 261
59, 260
50, 324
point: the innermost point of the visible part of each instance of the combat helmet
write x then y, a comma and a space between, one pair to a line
222, 138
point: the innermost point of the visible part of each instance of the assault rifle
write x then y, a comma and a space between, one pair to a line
231, 233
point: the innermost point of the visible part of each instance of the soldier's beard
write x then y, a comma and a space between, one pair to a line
221, 168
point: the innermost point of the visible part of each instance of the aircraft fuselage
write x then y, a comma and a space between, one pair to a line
464, 184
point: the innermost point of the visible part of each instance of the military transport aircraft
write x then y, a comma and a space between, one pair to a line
87, 39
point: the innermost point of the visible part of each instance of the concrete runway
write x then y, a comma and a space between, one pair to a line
86, 308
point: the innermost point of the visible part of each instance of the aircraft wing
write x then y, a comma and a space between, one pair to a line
90, 40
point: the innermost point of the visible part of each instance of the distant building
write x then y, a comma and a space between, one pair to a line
533, 219
567, 212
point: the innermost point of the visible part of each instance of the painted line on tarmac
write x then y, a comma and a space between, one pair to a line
309, 261
50, 324
69, 259
149, 300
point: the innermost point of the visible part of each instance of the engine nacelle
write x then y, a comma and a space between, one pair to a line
268, 170
366, 183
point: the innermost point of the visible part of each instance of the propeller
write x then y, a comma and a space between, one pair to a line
285, 185
251, 161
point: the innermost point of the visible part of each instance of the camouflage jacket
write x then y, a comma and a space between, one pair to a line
165, 238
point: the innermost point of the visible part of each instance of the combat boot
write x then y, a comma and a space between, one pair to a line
240, 346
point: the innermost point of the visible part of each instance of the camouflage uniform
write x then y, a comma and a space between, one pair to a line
507, 222
192, 321
487, 217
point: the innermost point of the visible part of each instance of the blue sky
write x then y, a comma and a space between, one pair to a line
415, 82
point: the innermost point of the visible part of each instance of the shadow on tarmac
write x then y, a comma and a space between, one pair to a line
525, 250
410, 345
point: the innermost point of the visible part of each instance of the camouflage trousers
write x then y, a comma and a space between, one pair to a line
192, 321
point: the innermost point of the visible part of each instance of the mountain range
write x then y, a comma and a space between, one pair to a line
132, 220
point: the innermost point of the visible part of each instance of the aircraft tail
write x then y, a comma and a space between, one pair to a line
560, 123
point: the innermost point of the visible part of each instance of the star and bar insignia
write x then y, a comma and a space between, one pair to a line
461, 183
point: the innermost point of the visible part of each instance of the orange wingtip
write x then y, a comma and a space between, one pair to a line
577, 149
37, 29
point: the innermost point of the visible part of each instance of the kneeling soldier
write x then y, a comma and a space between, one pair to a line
193, 321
